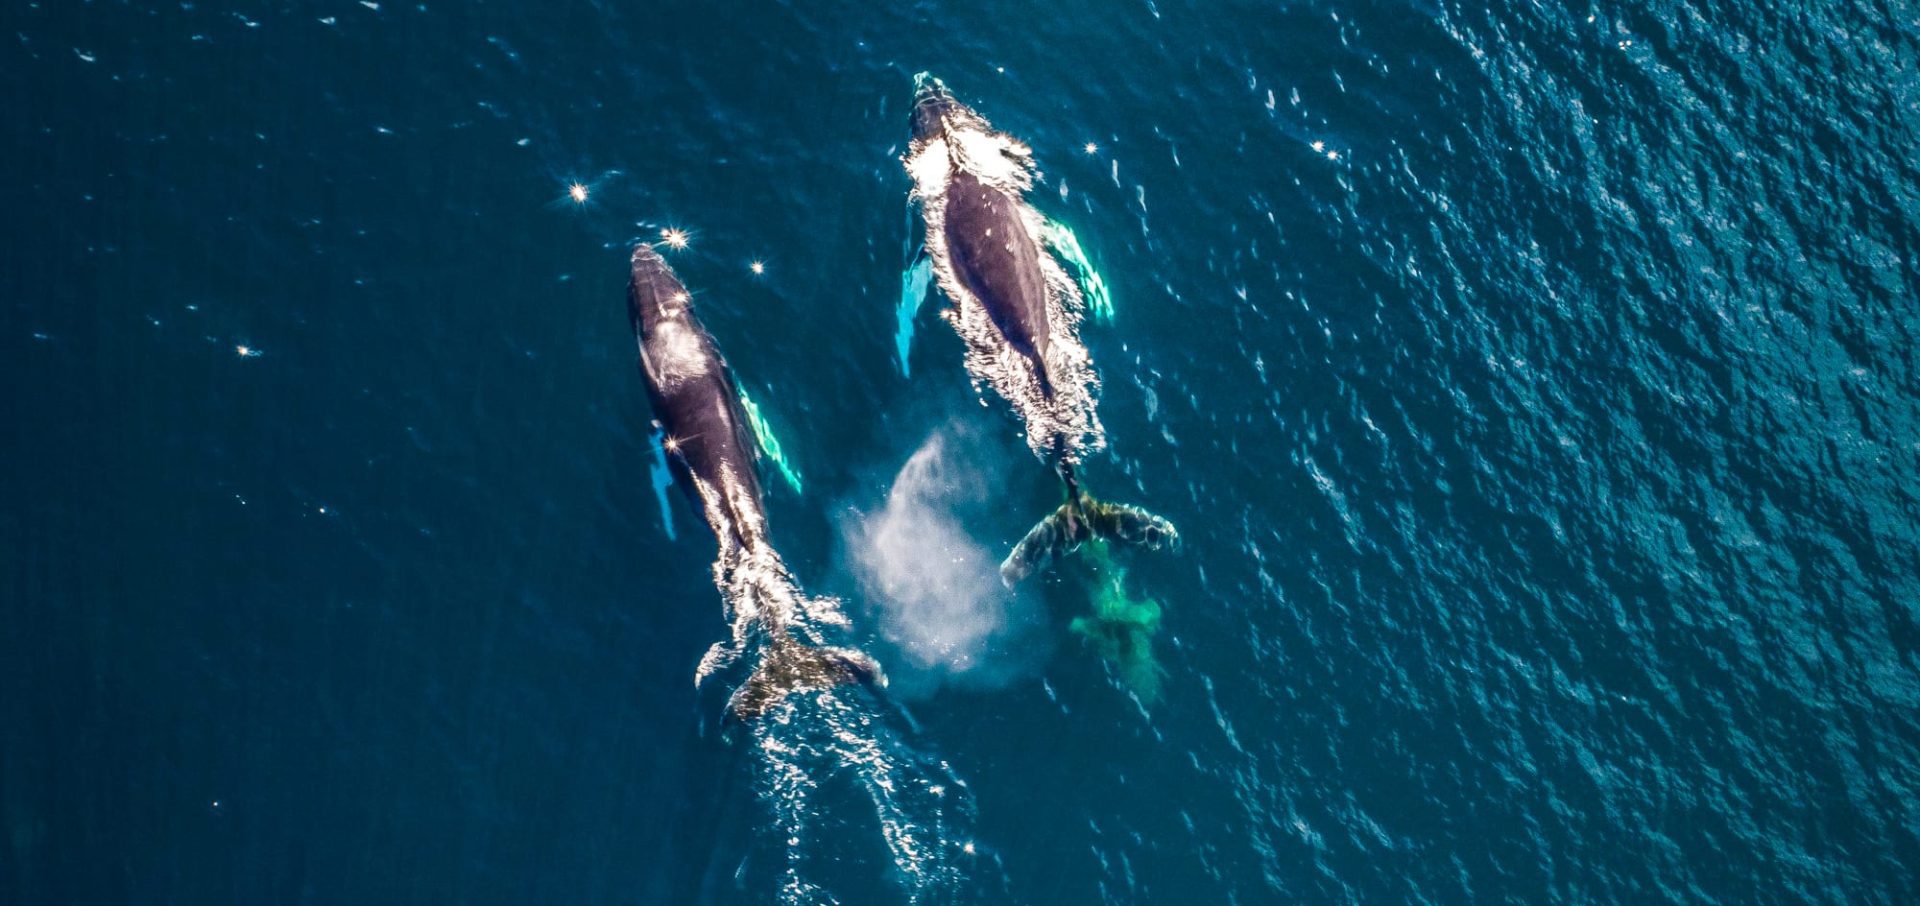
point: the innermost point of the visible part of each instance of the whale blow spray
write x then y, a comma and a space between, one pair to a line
935, 587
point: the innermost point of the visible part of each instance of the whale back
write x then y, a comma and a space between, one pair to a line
999, 263
707, 437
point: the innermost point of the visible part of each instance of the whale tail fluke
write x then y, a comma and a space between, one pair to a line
1082, 518
791, 666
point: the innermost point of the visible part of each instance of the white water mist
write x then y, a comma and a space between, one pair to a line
934, 587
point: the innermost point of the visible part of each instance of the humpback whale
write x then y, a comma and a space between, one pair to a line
710, 450
1017, 311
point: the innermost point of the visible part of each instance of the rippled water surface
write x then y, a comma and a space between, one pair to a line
1533, 386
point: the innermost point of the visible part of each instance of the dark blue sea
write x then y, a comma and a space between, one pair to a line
1533, 386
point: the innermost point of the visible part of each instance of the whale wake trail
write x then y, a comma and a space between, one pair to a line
835, 773
830, 758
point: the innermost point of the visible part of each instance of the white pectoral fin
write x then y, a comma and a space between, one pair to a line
914, 283
1093, 288
770, 448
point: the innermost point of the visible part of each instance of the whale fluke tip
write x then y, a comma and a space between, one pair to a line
1074, 523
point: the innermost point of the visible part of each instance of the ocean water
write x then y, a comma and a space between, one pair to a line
1533, 386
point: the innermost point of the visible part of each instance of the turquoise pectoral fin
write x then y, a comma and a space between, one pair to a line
769, 445
1092, 285
662, 476
913, 294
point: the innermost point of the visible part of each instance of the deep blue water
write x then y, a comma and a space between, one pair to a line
1534, 387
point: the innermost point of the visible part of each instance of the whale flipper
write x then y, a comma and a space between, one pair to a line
769, 445
662, 476
790, 666
1077, 521
913, 293
1093, 287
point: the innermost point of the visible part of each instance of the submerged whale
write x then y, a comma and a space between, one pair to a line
1017, 310
714, 457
